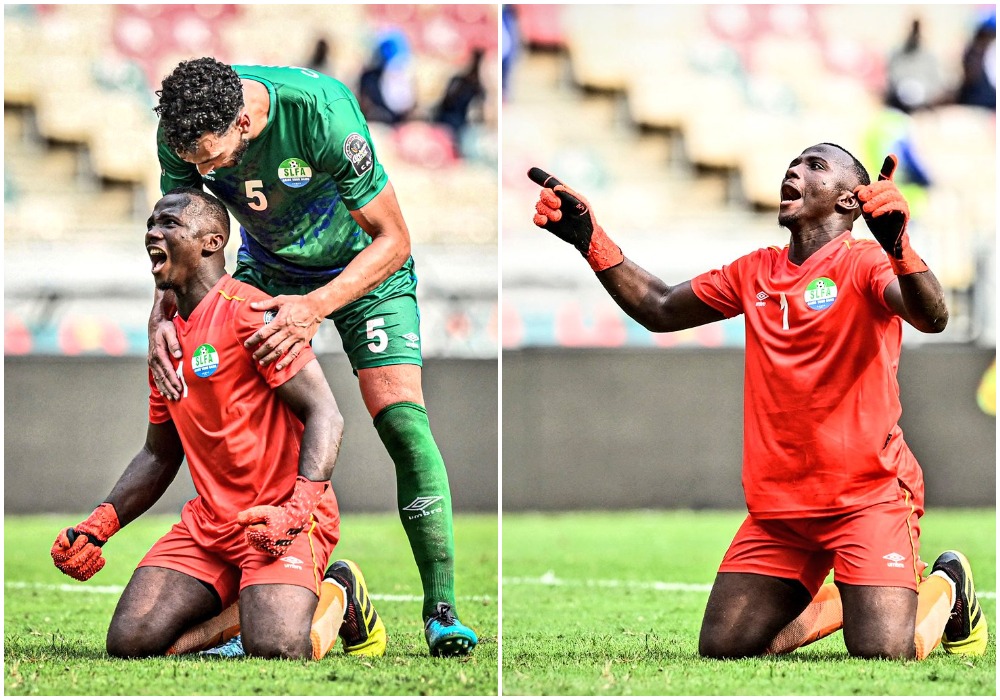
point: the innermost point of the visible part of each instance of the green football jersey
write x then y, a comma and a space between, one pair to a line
294, 189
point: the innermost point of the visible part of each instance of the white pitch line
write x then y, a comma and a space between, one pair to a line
65, 587
117, 590
549, 578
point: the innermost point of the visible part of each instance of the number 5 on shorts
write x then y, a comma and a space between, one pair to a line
377, 335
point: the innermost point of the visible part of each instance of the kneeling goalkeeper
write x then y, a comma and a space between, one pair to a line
249, 552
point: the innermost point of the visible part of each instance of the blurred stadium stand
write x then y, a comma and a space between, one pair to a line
81, 173
677, 122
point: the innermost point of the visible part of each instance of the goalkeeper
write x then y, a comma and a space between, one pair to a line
829, 481
250, 549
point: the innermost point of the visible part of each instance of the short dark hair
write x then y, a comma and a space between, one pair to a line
863, 177
208, 206
198, 97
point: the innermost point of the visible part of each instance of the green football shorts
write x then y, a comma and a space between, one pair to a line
381, 328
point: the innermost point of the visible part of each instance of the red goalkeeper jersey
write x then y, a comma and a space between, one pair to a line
821, 399
241, 441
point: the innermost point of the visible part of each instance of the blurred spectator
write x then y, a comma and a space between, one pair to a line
915, 78
10, 193
890, 131
320, 60
385, 92
462, 92
509, 46
986, 394
979, 64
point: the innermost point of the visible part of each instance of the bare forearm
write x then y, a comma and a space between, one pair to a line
639, 293
923, 301
142, 484
310, 398
369, 269
383, 220
164, 305
654, 304
320, 445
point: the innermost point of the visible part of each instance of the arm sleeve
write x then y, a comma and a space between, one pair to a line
174, 172
246, 322
158, 412
873, 274
345, 151
720, 288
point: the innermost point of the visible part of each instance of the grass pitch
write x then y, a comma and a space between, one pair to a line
611, 604
55, 627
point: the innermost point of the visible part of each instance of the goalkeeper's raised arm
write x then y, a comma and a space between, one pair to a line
656, 305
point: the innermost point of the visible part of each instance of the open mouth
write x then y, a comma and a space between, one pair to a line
789, 193
157, 256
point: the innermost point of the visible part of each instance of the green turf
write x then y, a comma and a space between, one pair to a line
582, 616
54, 627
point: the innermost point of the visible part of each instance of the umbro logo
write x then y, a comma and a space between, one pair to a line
422, 506
894, 560
421, 502
292, 562
762, 297
412, 339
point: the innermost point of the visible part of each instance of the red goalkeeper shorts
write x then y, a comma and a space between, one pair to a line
230, 565
876, 546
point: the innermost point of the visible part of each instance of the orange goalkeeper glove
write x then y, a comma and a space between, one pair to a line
886, 213
567, 214
77, 550
271, 529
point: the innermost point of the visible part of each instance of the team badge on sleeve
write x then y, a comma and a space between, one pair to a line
357, 150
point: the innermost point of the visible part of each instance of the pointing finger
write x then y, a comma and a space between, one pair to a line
888, 167
540, 177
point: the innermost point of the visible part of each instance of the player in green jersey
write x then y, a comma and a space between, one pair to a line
289, 153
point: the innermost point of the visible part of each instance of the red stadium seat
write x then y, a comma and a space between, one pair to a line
737, 24
149, 33
427, 145
541, 26
796, 21
17, 338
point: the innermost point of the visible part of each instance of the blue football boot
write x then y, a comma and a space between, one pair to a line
446, 636
227, 650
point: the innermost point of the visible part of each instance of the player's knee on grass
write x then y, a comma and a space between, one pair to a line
134, 634
275, 620
745, 612
136, 638
156, 607
862, 648
879, 621
724, 641
267, 646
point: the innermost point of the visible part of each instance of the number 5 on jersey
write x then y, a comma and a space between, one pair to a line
255, 192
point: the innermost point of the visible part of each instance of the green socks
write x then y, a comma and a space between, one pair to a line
423, 498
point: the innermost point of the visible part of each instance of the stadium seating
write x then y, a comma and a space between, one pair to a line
81, 173
84, 76
696, 110
722, 76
